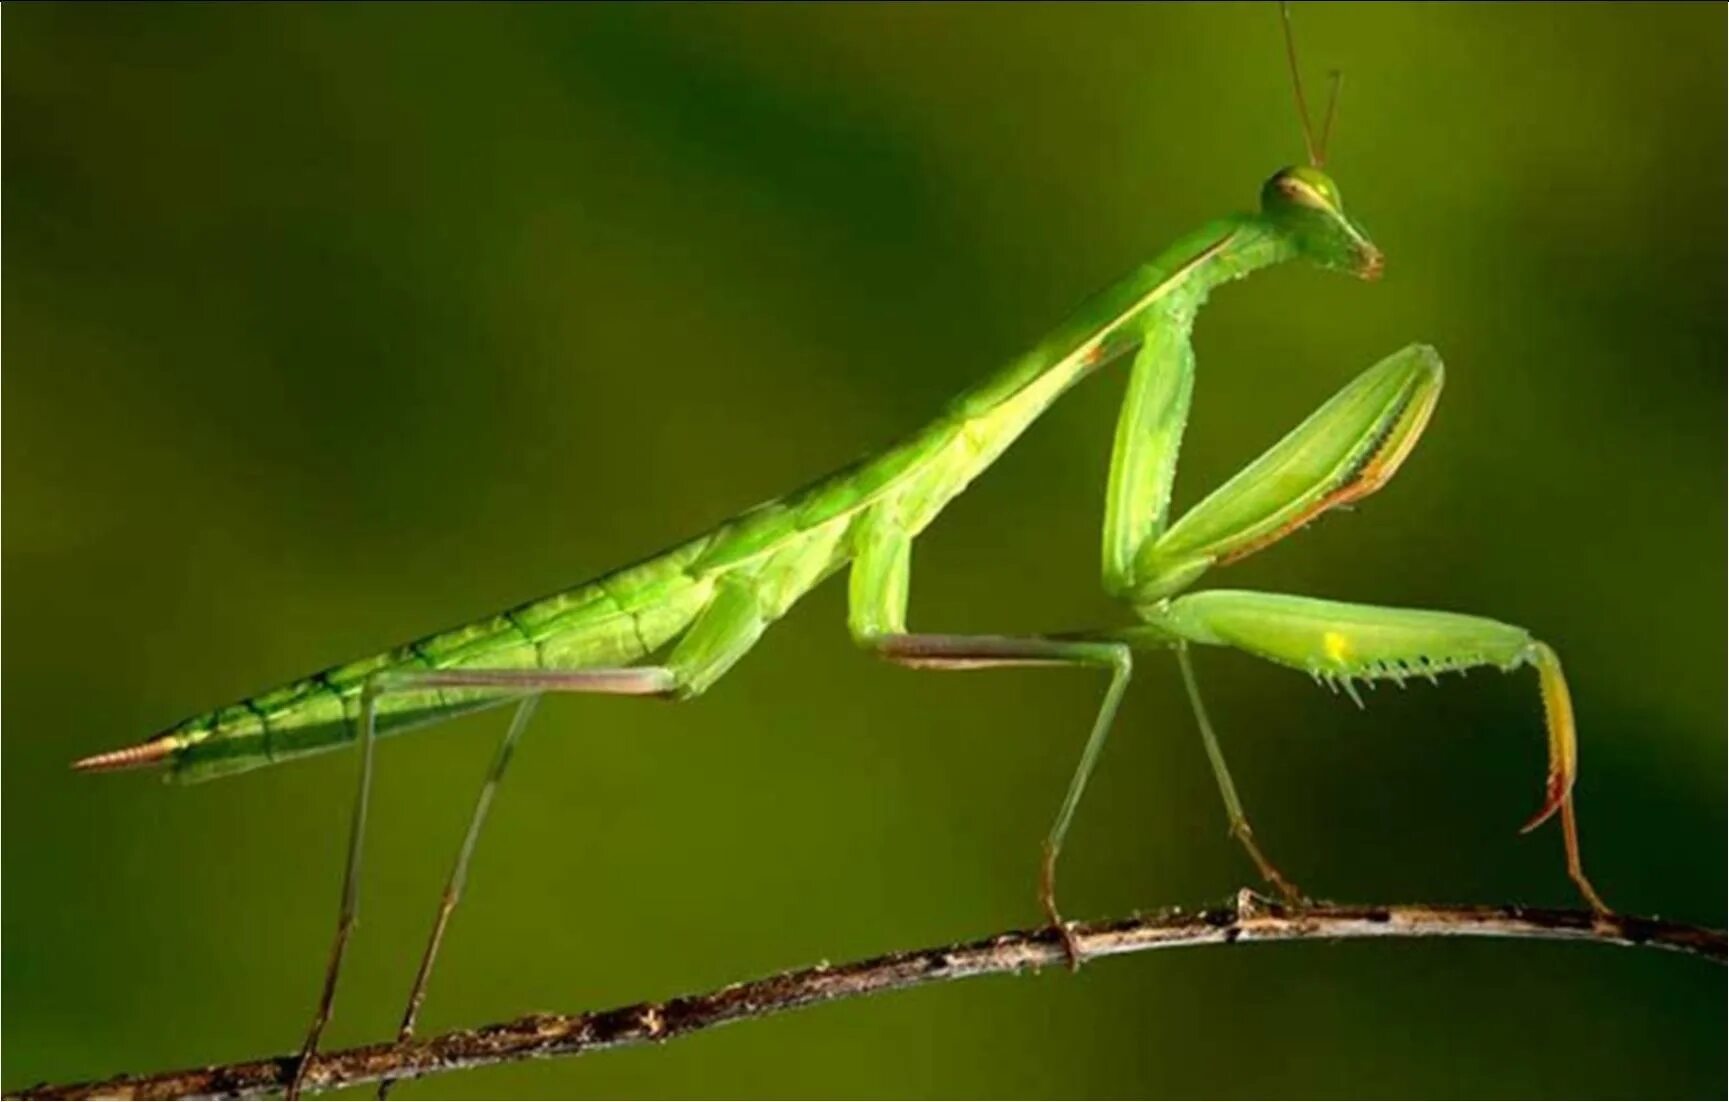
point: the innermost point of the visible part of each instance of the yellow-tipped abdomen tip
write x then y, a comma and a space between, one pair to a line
132, 757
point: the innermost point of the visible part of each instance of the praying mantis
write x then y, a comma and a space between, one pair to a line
672, 625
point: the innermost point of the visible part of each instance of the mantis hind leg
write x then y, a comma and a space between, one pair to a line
1346, 643
1239, 821
459, 872
638, 681
719, 636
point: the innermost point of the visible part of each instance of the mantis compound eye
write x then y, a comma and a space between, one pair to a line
1304, 202
1301, 187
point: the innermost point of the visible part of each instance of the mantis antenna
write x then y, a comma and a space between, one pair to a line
1317, 152
1315, 158
1337, 80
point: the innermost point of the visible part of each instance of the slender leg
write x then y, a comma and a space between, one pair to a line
876, 614
640, 681
1227, 788
971, 652
459, 873
350, 882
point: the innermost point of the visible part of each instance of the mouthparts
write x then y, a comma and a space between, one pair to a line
1373, 265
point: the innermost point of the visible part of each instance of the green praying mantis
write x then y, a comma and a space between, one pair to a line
672, 625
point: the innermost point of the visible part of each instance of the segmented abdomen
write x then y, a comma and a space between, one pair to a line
613, 621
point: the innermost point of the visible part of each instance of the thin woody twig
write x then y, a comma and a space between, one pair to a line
1249, 918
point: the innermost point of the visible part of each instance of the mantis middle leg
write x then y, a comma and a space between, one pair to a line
1238, 818
877, 602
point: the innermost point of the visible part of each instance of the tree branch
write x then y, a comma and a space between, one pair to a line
1250, 918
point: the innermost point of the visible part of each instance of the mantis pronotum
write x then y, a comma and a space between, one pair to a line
674, 624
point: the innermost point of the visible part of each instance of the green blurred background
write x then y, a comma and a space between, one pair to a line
327, 327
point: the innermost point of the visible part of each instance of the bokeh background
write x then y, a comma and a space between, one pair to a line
327, 327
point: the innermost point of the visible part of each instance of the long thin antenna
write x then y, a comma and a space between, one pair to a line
1297, 85
1337, 79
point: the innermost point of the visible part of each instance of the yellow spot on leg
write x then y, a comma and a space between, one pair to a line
1337, 646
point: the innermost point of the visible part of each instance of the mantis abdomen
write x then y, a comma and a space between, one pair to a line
777, 552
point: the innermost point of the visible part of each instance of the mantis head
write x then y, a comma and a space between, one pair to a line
1304, 203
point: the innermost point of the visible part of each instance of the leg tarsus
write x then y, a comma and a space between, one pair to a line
1292, 894
321, 1017
1048, 900
1575, 867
